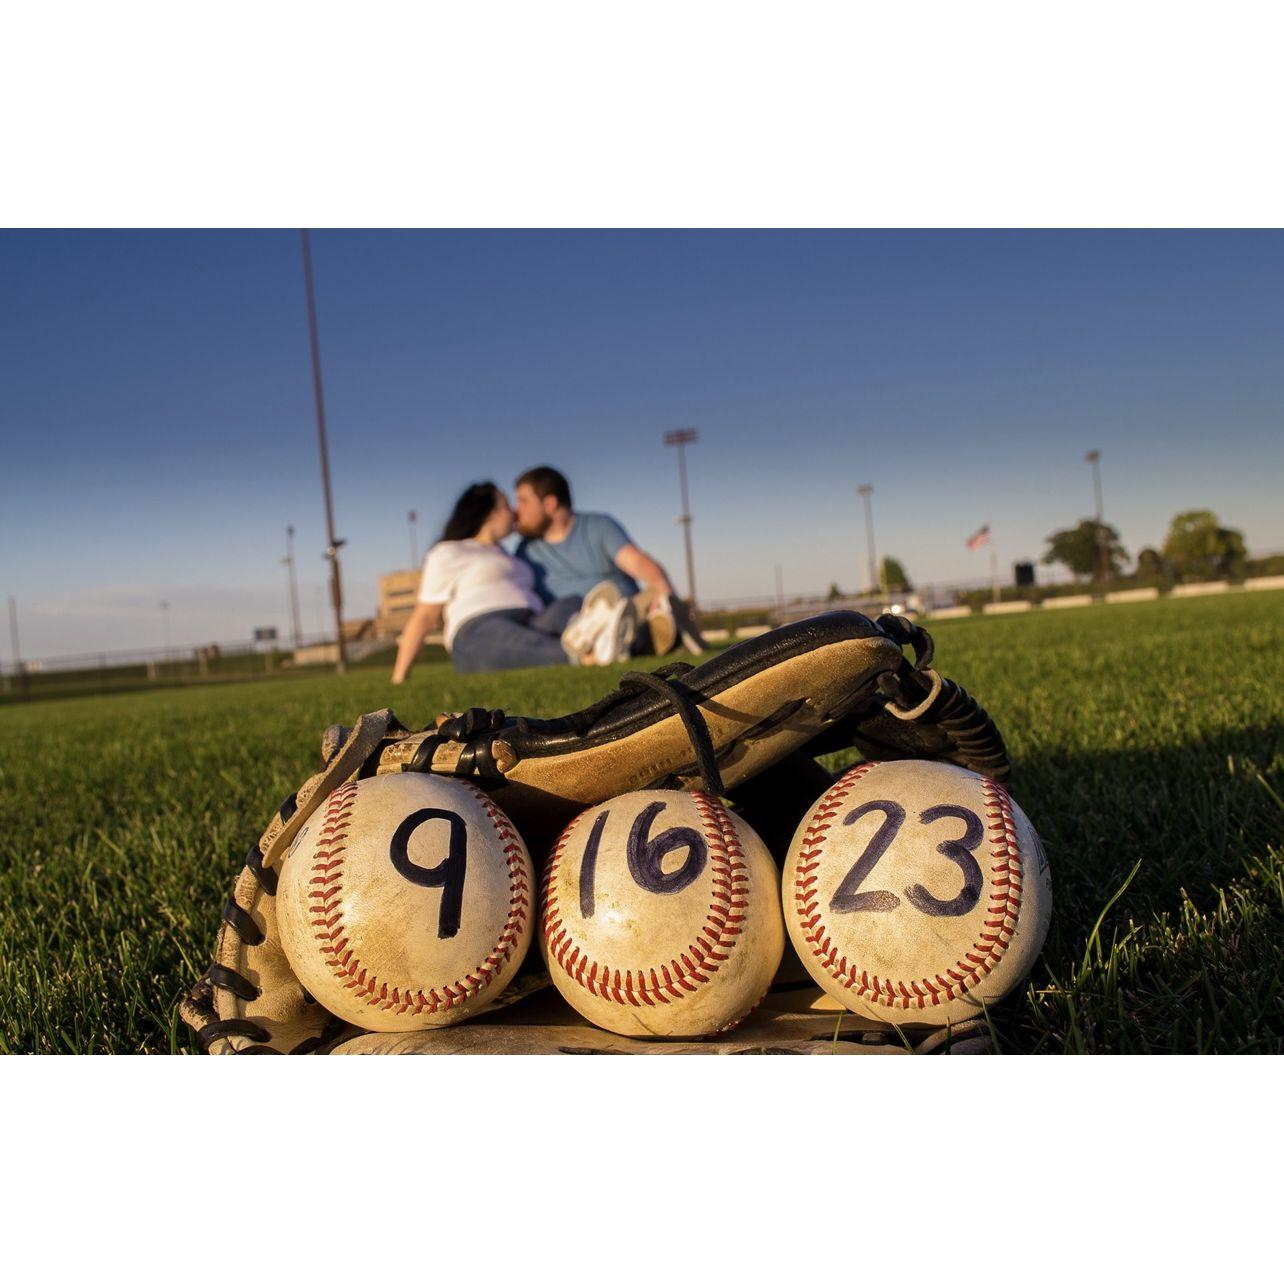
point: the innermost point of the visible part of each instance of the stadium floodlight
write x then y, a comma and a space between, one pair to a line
682, 438
333, 545
411, 518
865, 492
1093, 457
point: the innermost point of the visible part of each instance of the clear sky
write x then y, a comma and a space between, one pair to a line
157, 428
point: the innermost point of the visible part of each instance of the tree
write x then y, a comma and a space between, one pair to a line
834, 593
1078, 549
1151, 565
894, 576
1197, 547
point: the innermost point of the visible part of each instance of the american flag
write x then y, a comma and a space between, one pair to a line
981, 538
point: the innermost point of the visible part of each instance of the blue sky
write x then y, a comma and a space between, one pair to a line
157, 426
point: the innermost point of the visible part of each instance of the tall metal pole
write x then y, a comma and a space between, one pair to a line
681, 438
686, 523
411, 518
333, 545
780, 589
296, 629
865, 492
1103, 558
19, 671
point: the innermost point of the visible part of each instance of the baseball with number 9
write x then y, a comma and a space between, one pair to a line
916, 891
661, 915
405, 902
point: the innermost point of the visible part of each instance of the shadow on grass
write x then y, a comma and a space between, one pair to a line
1191, 956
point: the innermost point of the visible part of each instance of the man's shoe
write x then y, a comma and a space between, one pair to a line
663, 629
686, 626
584, 628
615, 642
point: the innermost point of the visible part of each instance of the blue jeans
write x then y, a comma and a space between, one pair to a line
513, 639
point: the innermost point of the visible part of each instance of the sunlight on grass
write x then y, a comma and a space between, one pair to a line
1145, 738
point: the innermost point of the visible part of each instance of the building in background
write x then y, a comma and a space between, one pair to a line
359, 640
398, 591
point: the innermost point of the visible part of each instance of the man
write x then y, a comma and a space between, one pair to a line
590, 556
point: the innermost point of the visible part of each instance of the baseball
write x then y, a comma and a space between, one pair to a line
404, 902
661, 915
913, 891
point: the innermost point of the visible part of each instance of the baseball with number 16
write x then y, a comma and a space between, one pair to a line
661, 915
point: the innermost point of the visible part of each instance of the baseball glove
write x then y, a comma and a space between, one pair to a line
746, 724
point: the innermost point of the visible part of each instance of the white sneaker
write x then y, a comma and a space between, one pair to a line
585, 626
607, 591
615, 643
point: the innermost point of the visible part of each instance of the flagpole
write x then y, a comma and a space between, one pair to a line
994, 571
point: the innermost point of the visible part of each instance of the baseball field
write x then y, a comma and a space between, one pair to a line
1148, 749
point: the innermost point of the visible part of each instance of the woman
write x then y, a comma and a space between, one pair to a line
484, 599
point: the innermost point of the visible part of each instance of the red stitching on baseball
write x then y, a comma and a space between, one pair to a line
327, 912
1003, 909
700, 960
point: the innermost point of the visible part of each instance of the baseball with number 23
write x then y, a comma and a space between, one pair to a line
914, 892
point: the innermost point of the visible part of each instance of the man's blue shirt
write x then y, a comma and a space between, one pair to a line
584, 558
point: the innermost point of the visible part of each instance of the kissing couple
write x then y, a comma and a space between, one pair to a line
576, 590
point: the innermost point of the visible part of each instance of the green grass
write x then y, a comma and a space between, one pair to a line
1145, 735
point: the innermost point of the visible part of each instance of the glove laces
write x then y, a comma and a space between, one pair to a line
662, 684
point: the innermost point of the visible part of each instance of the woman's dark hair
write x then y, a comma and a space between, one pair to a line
471, 510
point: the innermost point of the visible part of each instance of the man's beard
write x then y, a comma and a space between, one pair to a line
536, 531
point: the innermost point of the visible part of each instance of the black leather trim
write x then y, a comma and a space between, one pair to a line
266, 877
623, 713
228, 979
242, 924
207, 1034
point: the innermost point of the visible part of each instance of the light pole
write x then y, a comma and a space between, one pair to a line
164, 607
411, 518
20, 672
333, 545
1093, 457
288, 561
865, 492
682, 438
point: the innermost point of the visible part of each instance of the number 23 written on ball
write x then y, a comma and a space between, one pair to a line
849, 899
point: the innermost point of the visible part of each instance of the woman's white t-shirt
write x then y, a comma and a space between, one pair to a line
470, 578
